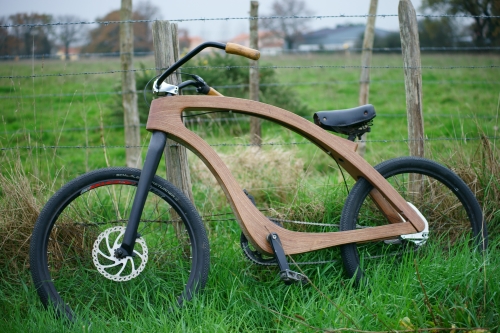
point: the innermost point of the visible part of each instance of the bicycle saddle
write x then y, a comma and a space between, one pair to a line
352, 122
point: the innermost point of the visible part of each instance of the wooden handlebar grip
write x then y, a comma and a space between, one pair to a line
242, 51
213, 92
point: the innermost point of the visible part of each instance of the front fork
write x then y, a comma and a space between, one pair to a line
153, 156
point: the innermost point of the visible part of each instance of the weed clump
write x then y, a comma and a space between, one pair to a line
481, 172
20, 205
270, 175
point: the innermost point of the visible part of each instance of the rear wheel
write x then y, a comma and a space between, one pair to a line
445, 201
72, 247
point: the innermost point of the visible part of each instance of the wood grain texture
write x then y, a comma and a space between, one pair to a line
165, 115
253, 89
243, 51
129, 96
166, 47
410, 47
366, 59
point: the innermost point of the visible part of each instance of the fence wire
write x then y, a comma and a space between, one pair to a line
248, 67
293, 51
219, 120
204, 19
45, 147
243, 86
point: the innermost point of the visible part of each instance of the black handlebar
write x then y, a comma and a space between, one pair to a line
186, 58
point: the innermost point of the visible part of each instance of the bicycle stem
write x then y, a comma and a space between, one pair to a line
153, 156
230, 48
186, 58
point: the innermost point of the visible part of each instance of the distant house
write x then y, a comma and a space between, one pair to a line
269, 42
73, 53
340, 38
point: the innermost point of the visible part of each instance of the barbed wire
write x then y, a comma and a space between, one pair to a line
66, 95
392, 49
79, 73
83, 55
248, 67
272, 17
246, 85
225, 119
44, 147
354, 49
342, 67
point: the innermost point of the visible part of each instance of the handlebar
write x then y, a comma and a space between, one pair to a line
242, 51
230, 48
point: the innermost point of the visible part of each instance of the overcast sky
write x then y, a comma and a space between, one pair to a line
214, 30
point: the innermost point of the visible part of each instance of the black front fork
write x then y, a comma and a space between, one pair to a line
153, 156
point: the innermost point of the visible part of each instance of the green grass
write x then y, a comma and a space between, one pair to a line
461, 286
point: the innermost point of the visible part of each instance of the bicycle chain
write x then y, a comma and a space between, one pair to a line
256, 257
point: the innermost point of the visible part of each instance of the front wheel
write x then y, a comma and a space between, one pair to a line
445, 201
72, 247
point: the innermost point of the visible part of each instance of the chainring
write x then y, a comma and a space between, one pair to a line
255, 256
118, 269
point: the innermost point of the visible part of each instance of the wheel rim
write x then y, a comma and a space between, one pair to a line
102, 206
448, 220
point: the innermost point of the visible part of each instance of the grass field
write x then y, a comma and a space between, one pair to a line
453, 288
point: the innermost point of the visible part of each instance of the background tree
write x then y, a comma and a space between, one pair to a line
28, 40
147, 11
4, 37
105, 38
433, 32
440, 32
291, 29
68, 34
484, 30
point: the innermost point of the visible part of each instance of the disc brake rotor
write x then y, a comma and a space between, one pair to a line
118, 269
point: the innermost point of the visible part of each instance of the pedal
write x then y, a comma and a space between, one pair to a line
286, 275
289, 277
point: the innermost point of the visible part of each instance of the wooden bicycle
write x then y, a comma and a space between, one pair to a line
106, 225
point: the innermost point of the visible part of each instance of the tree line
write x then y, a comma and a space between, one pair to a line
47, 39
481, 30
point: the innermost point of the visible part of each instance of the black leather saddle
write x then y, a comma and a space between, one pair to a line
352, 122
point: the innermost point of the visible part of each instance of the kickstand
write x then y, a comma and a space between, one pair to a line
286, 275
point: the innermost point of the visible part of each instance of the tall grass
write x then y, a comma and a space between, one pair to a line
453, 288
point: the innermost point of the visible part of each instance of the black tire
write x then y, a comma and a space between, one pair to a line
62, 243
450, 207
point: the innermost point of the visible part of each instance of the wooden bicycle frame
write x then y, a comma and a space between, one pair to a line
165, 115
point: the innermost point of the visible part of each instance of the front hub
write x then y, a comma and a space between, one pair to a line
109, 259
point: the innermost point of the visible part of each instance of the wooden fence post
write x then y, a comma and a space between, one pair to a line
166, 49
129, 96
413, 76
255, 128
366, 58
